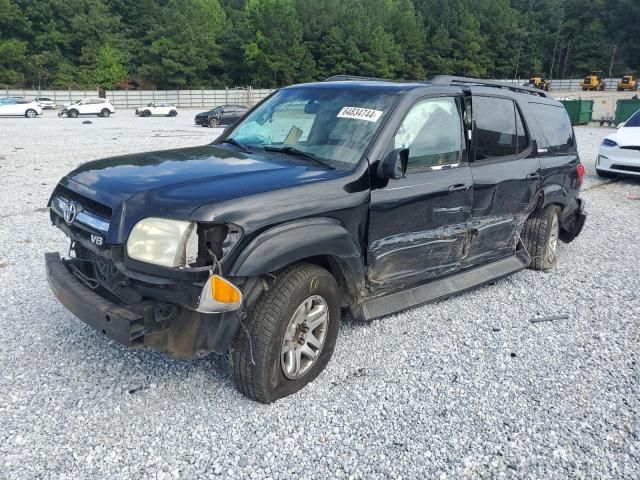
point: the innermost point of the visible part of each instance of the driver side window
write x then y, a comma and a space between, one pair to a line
432, 131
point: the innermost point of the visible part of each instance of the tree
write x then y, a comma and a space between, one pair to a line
275, 52
109, 70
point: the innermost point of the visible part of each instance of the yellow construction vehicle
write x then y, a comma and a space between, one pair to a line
628, 82
593, 81
538, 81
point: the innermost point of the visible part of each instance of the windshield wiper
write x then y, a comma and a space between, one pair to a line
233, 141
300, 153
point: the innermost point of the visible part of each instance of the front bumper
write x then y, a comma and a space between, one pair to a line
201, 120
150, 322
621, 161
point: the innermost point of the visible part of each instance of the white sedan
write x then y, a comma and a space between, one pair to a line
157, 108
620, 152
19, 107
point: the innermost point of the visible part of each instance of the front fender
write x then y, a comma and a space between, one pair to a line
282, 245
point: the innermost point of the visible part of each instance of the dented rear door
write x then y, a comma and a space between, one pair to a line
506, 175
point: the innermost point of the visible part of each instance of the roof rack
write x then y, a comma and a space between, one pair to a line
352, 78
452, 80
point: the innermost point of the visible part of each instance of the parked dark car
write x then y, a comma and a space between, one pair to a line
352, 194
222, 115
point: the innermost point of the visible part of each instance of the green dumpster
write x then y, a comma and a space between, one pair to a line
579, 111
625, 108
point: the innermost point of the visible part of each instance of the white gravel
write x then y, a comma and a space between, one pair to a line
464, 387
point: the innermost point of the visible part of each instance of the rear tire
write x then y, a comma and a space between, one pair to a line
540, 236
31, 113
279, 339
105, 113
173, 113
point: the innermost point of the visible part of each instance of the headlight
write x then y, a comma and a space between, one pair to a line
609, 143
170, 243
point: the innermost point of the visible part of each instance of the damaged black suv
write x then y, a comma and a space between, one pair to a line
350, 195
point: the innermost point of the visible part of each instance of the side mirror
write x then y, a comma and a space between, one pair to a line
394, 166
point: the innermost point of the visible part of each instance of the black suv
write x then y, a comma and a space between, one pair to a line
353, 194
222, 115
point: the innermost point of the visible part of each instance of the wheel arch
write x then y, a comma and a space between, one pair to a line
321, 241
552, 194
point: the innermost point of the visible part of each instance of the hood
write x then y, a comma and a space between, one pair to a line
626, 136
174, 183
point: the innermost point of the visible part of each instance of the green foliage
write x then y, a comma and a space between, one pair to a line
182, 43
109, 71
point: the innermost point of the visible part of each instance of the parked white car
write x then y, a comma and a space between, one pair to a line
88, 106
12, 106
157, 108
46, 103
620, 152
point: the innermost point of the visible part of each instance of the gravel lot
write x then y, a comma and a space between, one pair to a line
463, 387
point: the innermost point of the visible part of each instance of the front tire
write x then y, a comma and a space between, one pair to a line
72, 114
173, 113
31, 113
292, 331
214, 122
540, 236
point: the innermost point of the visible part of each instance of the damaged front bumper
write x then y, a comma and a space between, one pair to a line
159, 324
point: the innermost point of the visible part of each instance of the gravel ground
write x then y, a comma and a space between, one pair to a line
463, 387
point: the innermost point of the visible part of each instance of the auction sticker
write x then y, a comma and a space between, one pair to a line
360, 114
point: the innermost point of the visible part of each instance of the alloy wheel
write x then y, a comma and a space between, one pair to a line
304, 337
552, 244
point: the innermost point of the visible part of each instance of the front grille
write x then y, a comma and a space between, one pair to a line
87, 203
90, 217
627, 168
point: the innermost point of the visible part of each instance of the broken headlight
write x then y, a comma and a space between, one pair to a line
165, 242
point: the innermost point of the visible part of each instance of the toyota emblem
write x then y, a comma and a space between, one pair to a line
70, 212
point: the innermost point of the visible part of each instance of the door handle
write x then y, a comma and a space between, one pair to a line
533, 176
460, 187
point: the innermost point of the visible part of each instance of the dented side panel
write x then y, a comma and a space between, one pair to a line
503, 197
418, 229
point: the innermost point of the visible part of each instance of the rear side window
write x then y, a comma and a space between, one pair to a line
555, 126
499, 129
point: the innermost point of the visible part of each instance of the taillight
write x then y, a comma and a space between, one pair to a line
580, 172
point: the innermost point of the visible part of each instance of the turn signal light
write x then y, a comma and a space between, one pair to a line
219, 295
223, 291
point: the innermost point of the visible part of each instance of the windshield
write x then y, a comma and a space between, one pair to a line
634, 121
333, 125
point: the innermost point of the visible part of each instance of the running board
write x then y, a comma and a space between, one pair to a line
445, 287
